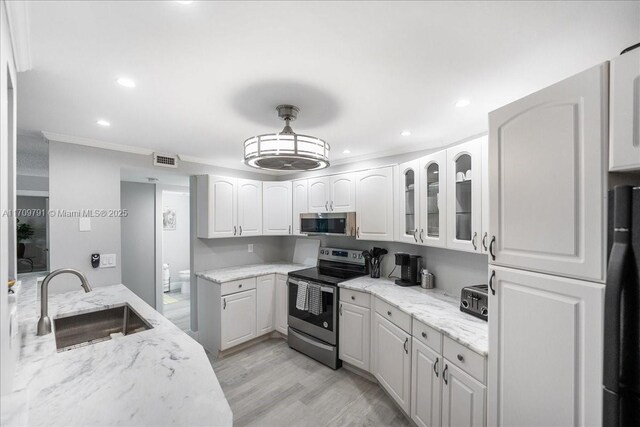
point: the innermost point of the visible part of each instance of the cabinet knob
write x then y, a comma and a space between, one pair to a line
240, 285
353, 298
388, 313
424, 335
460, 358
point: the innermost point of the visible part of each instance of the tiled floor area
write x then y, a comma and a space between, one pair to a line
176, 306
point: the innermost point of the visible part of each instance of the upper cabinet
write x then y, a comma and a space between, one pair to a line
277, 208
408, 218
374, 204
547, 192
249, 207
335, 193
300, 203
464, 198
624, 105
217, 206
433, 199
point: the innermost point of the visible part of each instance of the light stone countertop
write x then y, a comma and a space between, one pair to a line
229, 274
434, 307
158, 377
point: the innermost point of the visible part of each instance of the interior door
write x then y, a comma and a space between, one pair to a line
355, 335
249, 207
277, 206
426, 386
433, 199
266, 302
374, 204
464, 400
318, 194
548, 178
548, 356
408, 216
342, 189
300, 203
238, 318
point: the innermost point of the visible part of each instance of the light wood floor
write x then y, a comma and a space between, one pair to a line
270, 384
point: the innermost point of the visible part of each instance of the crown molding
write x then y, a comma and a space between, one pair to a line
19, 28
88, 142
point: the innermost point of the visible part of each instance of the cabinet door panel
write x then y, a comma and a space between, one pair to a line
343, 193
408, 212
249, 207
266, 298
355, 335
318, 194
426, 385
282, 304
433, 199
374, 204
463, 399
217, 206
552, 360
300, 203
276, 210
547, 180
238, 318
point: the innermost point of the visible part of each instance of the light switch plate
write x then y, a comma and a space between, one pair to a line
107, 260
84, 224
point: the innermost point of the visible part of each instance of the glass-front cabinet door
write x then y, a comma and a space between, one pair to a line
409, 203
464, 179
433, 191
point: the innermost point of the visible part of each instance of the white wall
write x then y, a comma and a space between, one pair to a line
175, 243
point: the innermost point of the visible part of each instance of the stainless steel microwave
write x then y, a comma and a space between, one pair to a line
333, 223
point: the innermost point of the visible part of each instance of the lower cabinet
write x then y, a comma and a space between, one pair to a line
392, 360
266, 296
238, 318
463, 398
282, 304
426, 385
355, 335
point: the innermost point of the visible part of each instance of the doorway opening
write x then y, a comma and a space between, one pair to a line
32, 225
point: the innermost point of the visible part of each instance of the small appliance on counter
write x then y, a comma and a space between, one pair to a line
474, 300
410, 266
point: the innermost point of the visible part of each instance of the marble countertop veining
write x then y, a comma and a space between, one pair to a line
228, 274
157, 377
434, 307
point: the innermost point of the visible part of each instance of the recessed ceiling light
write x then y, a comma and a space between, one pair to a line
405, 133
347, 152
126, 82
462, 103
104, 123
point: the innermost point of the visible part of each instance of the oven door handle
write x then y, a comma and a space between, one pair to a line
326, 289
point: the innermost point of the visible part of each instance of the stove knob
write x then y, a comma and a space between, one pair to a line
355, 255
465, 304
484, 311
359, 256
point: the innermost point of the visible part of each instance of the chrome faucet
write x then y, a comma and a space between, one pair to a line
44, 324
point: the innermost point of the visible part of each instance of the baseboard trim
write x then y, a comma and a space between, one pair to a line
360, 372
245, 345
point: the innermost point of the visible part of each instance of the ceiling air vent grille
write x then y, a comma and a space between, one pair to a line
165, 160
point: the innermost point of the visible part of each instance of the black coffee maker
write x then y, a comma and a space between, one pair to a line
410, 266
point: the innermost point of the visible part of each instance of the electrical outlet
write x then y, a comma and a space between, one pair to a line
250, 247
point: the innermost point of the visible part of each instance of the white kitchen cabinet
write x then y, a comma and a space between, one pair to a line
276, 208
282, 304
300, 203
548, 178
238, 318
391, 348
249, 207
624, 112
551, 359
318, 194
266, 299
484, 242
433, 199
464, 198
374, 204
342, 192
216, 206
426, 385
355, 335
408, 211
464, 399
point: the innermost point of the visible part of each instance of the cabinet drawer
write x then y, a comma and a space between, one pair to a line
362, 299
394, 315
427, 335
237, 286
467, 360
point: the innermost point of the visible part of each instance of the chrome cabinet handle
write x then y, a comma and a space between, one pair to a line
235, 230
353, 298
358, 232
415, 237
289, 229
493, 276
340, 309
240, 228
435, 367
406, 349
331, 205
224, 300
326, 206
389, 313
421, 234
240, 285
493, 240
473, 241
444, 374
460, 358
424, 335
484, 241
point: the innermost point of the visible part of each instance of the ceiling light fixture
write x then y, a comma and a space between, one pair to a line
286, 150
103, 123
346, 152
406, 133
126, 82
462, 103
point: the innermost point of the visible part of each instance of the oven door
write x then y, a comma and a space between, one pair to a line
323, 326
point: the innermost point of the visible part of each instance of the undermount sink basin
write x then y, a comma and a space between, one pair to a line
96, 326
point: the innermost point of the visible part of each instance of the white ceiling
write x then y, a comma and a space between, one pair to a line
210, 74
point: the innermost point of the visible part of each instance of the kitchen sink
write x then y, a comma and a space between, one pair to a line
79, 330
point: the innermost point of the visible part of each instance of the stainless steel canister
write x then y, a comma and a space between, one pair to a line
427, 279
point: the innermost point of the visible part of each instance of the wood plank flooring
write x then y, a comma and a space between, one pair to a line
178, 311
270, 384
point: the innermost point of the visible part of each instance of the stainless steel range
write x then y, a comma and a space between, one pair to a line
313, 329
